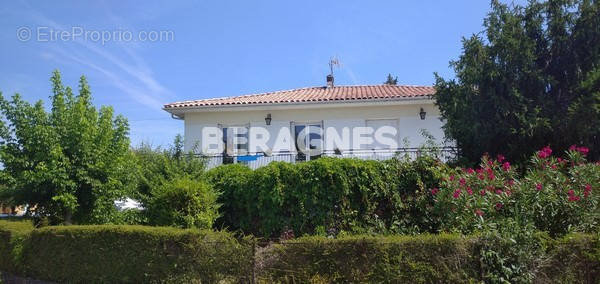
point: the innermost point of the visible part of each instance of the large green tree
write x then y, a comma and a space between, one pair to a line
69, 164
530, 79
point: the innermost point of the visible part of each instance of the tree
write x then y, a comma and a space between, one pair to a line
530, 79
70, 164
160, 166
391, 80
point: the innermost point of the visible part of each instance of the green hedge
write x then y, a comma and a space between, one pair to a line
396, 259
133, 254
418, 259
12, 234
327, 195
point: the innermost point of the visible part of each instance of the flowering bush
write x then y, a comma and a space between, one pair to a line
560, 194
556, 194
467, 197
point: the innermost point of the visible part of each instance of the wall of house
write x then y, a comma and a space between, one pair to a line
407, 117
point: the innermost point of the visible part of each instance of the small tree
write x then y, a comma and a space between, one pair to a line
69, 164
391, 80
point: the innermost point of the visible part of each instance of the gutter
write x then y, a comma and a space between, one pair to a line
179, 111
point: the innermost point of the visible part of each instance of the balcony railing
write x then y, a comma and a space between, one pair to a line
256, 160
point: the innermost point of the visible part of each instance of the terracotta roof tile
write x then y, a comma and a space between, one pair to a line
315, 94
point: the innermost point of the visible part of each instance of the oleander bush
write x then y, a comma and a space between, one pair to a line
556, 194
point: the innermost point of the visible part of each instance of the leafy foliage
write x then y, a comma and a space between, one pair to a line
556, 195
134, 254
69, 164
184, 203
529, 80
327, 196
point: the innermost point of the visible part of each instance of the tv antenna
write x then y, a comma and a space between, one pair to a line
334, 61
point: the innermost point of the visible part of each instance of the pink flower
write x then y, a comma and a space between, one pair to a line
498, 206
462, 181
510, 182
491, 176
506, 166
545, 152
574, 198
573, 148
538, 186
499, 191
479, 170
553, 167
469, 191
470, 171
482, 192
570, 192
587, 190
583, 150
481, 176
500, 158
451, 178
456, 194
434, 191
478, 212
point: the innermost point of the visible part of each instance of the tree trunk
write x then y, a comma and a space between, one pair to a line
69, 218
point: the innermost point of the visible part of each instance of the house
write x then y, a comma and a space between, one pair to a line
367, 121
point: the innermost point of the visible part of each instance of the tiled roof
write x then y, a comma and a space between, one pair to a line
315, 94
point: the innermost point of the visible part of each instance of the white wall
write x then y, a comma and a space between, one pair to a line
409, 122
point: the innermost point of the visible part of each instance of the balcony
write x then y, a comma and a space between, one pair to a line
257, 160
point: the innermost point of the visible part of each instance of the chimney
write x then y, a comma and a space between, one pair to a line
329, 81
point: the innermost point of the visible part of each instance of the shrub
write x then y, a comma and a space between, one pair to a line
184, 203
327, 196
561, 194
158, 167
232, 183
360, 259
12, 233
557, 195
134, 254
511, 255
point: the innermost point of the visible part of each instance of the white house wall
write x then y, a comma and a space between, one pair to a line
409, 122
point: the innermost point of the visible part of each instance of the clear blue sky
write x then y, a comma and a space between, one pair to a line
224, 48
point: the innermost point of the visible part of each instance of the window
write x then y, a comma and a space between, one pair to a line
235, 141
308, 139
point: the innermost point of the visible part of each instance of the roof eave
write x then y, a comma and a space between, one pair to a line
294, 105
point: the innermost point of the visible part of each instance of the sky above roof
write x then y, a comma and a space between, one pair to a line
138, 56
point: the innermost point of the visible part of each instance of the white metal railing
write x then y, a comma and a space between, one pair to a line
256, 160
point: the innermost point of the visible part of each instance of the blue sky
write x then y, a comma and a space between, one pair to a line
224, 48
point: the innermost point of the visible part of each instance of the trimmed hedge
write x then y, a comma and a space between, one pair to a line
133, 254
12, 234
396, 259
417, 259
